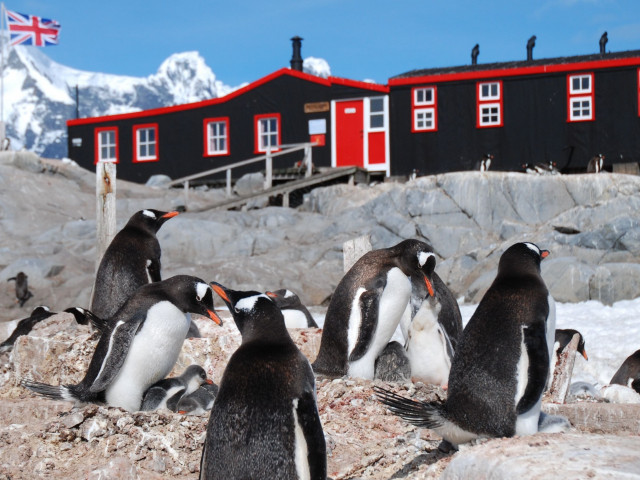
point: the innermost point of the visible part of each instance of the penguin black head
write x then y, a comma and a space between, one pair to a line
564, 336
150, 219
255, 314
284, 298
197, 373
191, 294
416, 259
522, 257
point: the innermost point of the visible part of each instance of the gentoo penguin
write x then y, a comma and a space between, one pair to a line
25, 325
500, 368
131, 260
485, 162
596, 164
198, 402
264, 422
296, 315
141, 347
392, 365
431, 329
22, 288
562, 339
167, 392
629, 372
367, 306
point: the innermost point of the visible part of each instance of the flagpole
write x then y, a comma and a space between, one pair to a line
2, 25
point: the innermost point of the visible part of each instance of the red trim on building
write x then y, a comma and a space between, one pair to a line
488, 103
241, 91
638, 78
135, 157
518, 71
424, 106
205, 136
96, 143
256, 131
574, 96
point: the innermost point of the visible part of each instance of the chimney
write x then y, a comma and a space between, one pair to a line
603, 42
296, 59
530, 44
474, 54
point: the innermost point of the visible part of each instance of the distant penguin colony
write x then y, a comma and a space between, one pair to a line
22, 288
141, 347
496, 394
131, 260
264, 422
367, 306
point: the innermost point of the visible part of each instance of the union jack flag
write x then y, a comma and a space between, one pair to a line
32, 30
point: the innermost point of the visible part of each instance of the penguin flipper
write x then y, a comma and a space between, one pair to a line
369, 303
420, 414
307, 413
154, 270
536, 345
119, 341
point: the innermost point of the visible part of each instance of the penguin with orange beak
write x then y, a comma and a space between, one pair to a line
367, 306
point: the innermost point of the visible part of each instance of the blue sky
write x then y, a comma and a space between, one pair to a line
243, 41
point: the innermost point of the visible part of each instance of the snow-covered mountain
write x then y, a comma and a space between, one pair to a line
40, 94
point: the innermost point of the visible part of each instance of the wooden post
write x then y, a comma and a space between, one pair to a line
186, 194
352, 250
229, 182
562, 375
308, 160
285, 199
268, 180
105, 207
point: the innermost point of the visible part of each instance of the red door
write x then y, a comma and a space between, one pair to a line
349, 133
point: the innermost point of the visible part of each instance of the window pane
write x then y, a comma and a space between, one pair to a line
376, 105
377, 121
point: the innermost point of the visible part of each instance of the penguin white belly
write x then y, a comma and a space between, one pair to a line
151, 356
301, 450
391, 306
427, 346
294, 319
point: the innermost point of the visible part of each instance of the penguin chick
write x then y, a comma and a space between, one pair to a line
141, 347
22, 288
166, 393
264, 422
198, 402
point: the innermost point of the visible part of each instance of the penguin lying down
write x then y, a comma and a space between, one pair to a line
168, 392
497, 394
141, 345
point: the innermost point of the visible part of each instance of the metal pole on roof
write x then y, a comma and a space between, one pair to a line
2, 25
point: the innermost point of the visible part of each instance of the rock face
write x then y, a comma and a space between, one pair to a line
590, 223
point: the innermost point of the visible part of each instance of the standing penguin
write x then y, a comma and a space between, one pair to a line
141, 346
500, 368
367, 306
296, 315
131, 260
264, 422
596, 164
629, 372
22, 288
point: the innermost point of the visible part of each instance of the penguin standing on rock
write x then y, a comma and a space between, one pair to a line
264, 422
22, 288
131, 260
296, 315
500, 368
367, 306
140, 347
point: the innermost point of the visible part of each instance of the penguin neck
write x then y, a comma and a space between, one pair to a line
265, 331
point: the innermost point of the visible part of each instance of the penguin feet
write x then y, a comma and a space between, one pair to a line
447, 447
553, 423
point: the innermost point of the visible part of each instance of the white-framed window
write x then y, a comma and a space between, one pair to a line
216, 136
580, 97
424, 109
145, 143
489, 104
376, 113
267, 132
106, 141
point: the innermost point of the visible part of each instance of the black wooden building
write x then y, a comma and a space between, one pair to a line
561, 110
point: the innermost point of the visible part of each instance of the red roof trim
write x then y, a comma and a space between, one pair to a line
512, 72
213, 101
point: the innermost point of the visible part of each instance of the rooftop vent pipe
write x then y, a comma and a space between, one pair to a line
603, 42
474, 54
296, 59
530, 44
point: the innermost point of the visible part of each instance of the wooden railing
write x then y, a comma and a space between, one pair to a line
267, 158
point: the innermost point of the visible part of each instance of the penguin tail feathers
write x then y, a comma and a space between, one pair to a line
55, 392
421, 414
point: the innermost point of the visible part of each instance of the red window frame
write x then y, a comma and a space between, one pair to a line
97, 132
431, 105
205, 130
573, 96
136, 158
256, 130
488, 102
